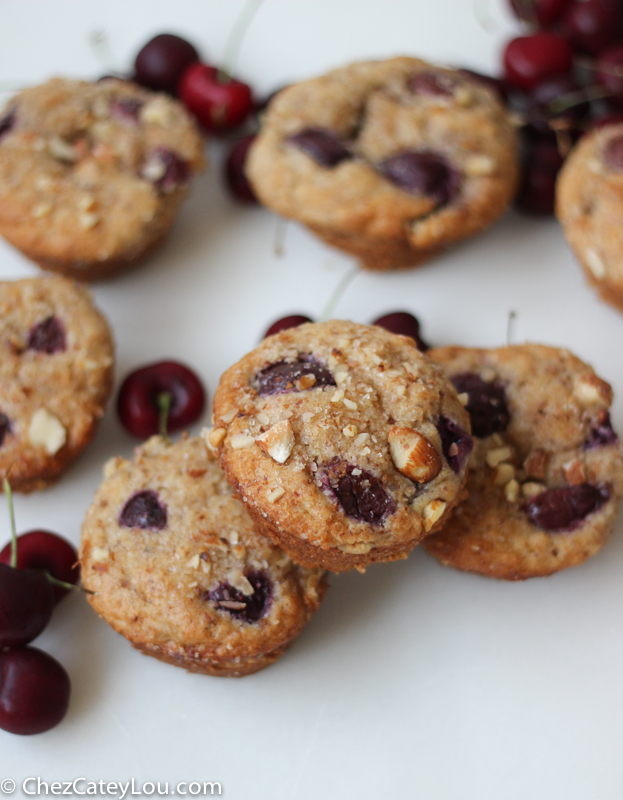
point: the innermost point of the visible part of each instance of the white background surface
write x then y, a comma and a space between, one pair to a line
412, 680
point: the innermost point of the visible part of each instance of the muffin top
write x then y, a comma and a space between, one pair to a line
386, 149
343, 435
589, 203
56, 370
177, 567
545, 476
86, 169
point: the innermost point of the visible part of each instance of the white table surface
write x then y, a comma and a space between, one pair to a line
412, 681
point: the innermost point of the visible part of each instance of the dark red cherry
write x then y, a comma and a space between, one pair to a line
537, 191
47, 551
431, 83
565, 508
5, 428
322, 145
539, 12
283, 377
47, 336
592, 25
7, 121
249, 608
486, 403
34, 691
528, 60
404, 324
161, 62
165, 169
361, 495
138, 404
456, 443
610, 73
26, 605
235, 177
601, 434
219, 102
293, 321
422, 172
613, 154
144, 510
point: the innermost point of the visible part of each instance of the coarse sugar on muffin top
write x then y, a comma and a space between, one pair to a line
346, 444
91, 174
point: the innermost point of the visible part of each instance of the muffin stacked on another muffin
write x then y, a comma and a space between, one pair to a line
92, 174
346, 443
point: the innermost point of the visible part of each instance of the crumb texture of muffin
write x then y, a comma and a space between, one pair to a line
546, 474
56, 374
92, 174
391, 161
346, 443
177, 567
589, 206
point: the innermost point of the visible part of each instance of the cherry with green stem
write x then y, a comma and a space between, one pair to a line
160, 398
219, 101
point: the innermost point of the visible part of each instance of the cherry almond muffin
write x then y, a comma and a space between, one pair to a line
56, 374
546, 474
589, 205
346, 444
92, 174
388, 160
177, 567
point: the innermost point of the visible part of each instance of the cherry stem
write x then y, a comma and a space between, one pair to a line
101, 50
64, 585
232, 47
337, 294
570, 99
164, 405
510, 326
9, 496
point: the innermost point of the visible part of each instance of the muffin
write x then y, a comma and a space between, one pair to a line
546, 474
176, 565
56, 374
390, 161
589, 205
346, 444
92, 174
